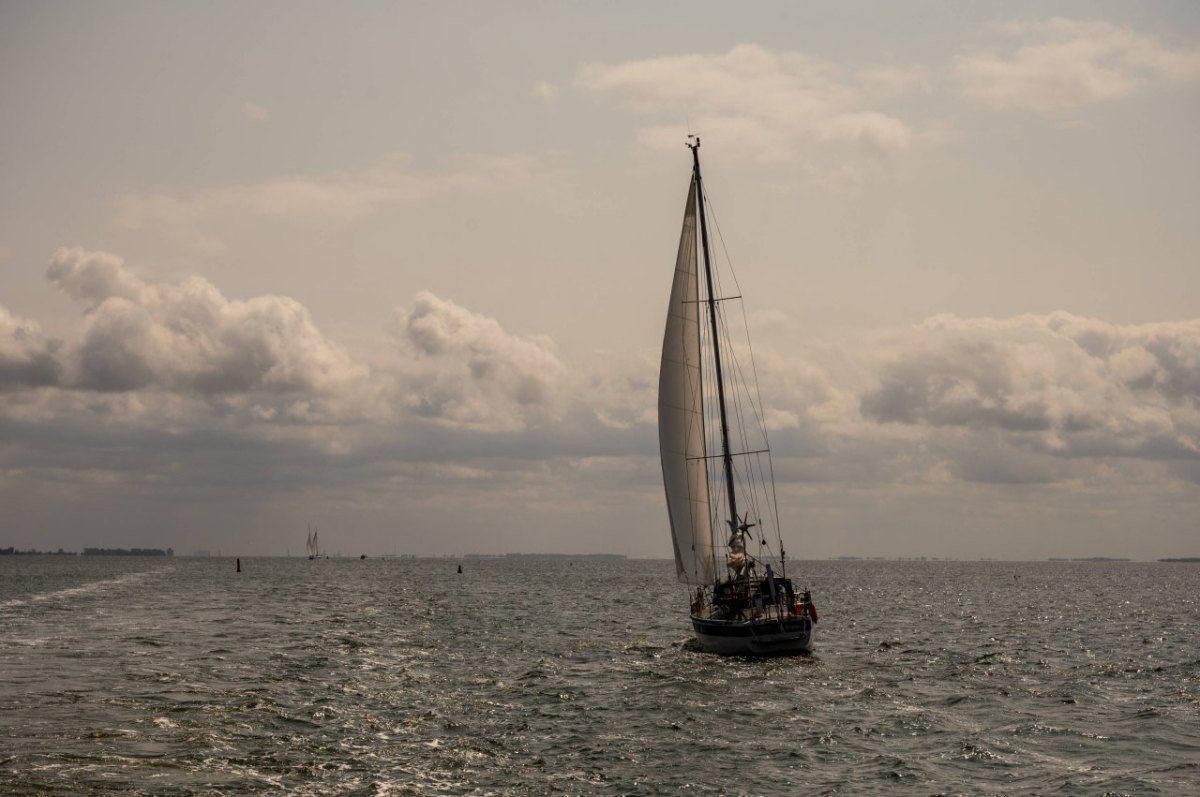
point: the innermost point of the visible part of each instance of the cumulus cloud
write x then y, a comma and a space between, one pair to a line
468, 371
27, 356
1058, 384
264, 361
189, 337
1065, 64
768, 100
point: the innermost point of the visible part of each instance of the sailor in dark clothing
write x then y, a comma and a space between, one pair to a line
809, 607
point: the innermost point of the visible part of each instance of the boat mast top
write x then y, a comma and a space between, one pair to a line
736, 532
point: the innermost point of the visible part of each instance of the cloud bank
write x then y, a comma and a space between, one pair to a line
174, 389
1058, 385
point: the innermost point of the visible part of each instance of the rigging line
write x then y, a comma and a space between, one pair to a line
753, 397
741, 384
775, 507
743, 390
764, 476
731, 453
717, 299
760, 413
712, 213
753, 482
767, 494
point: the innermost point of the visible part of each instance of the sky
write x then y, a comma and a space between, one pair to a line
400, 270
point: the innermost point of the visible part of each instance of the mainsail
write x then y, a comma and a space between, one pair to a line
681, 416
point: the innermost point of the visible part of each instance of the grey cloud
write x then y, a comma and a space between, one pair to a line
27, 357
93, 276
1059, 384
466, 370
1162, 357
966, 386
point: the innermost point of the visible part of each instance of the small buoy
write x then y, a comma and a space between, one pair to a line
460, 568
239, 564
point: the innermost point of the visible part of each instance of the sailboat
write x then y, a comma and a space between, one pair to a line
721, 503
314, 550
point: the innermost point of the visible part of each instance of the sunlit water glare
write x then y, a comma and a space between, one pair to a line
403, 677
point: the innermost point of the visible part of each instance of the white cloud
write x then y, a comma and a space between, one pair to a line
183, 347
1066, 64
467, 371
763, 99
188, 337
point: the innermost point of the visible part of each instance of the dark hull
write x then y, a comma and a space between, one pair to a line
788, 637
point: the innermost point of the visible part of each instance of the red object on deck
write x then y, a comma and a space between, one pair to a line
801, 608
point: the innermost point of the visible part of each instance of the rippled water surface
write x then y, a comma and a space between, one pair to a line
340, 677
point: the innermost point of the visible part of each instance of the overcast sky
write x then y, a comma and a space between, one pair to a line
401, 270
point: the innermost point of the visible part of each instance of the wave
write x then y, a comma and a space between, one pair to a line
83, 590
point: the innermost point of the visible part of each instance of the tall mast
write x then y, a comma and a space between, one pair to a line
734, 526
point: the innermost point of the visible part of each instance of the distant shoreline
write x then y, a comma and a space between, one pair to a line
128, 552
12, 551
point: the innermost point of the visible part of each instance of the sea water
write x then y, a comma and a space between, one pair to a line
157, 676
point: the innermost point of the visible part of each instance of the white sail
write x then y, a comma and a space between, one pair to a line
316, 551
681, 416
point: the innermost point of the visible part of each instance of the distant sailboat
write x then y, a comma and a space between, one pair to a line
742, 602
314, 551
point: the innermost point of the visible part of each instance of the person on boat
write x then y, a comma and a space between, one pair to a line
808, 607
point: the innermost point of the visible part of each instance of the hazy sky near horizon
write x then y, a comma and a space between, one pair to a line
401, 270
